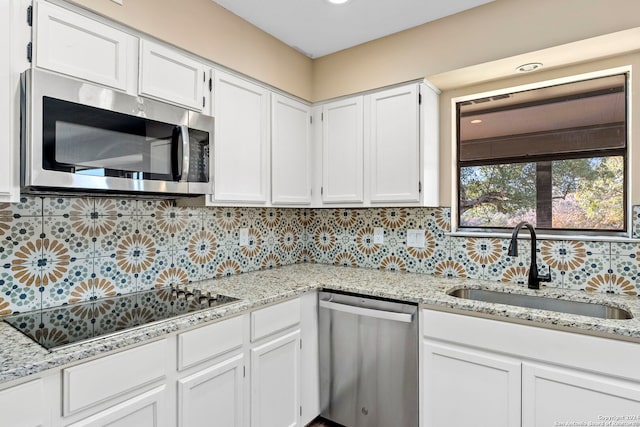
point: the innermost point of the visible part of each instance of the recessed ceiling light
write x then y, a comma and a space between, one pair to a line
475, 121
526, 68
338, 1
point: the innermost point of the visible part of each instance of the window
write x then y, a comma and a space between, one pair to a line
554, 156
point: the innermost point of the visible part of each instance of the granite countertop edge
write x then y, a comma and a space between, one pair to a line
21, 357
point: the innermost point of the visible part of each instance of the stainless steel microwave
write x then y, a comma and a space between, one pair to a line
81, 137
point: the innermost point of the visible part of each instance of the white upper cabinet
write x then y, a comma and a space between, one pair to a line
290, 151
381, 149
342, 151
81, 47
429, 145
168, 75
394, 144
241, 144
15, 34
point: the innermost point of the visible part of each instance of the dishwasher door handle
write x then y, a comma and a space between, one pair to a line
368, 312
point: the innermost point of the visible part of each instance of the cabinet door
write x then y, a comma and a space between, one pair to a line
146, 410
553, 395
82, 47
290, 151
213, 392
275, 382
464, 387
170, 76
394, 143
241, 146
24, 405
14, 36
342, 151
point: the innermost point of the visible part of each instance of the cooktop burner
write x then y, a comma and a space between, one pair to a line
69, 324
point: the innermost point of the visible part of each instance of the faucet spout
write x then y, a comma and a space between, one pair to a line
534, 278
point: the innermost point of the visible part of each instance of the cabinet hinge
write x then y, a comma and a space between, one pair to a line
419, 99
300, 344
419, 187
29, 51
244, 371
301, 411
30, 16
203, 101
311, 119
321, 191
322, 117
210, 84
204, 76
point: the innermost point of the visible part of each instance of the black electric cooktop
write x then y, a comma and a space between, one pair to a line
57, 327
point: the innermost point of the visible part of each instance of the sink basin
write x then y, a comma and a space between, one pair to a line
602, 311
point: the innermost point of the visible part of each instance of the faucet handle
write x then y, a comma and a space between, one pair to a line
545, 277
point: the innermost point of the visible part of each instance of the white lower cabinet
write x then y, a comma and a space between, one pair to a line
148, 409
24, 405
554, 396
485, 386
213, 375
213, 396
275, 382
483, 372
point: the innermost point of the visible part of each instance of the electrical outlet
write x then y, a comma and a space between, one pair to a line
378, 236
244, 237
415, 239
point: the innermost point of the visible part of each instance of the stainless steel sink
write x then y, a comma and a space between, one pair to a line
602, 311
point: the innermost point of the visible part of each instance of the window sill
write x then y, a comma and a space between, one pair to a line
524, 234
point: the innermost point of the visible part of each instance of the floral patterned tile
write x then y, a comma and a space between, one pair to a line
182, 260
586, 271
183, 236
148, 279
75, 237
636, 222
108, 239
126, 207
24, 230
27, 206
626, 248
17, 296
625, 266
106, 271
148, 226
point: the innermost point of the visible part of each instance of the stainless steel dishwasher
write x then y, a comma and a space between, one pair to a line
368, 361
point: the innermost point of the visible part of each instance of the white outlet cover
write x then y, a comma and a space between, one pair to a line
378, 236
415, 239
244, 237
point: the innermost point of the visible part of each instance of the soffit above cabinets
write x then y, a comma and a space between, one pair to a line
317, 27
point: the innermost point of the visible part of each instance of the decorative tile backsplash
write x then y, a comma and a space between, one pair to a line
345, 237
60, 250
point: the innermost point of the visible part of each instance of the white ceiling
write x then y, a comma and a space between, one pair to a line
317, 28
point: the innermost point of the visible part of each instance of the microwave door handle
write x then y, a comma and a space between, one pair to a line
184, 172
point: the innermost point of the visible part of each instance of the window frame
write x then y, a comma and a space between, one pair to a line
456, 229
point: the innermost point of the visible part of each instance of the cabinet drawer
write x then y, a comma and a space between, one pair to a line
108, 377
23, 405
209, 341
273, 319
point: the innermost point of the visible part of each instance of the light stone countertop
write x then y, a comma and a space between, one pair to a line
20, 356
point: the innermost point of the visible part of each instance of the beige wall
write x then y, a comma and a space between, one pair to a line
208, 30
500, 29
446, 115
